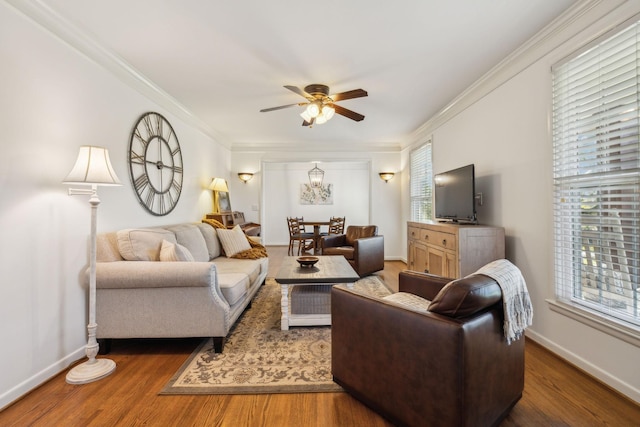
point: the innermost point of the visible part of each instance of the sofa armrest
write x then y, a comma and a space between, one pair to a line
424, 285
154, 274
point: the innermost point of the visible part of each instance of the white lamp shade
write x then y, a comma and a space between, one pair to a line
328, 112
218, 184
313, 109
93, 167
306, 116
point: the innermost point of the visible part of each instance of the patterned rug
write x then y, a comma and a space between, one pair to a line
260, 358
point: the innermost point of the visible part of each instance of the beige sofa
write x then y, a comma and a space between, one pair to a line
138, 295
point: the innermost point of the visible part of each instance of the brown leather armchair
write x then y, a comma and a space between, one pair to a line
360, 245
448, 365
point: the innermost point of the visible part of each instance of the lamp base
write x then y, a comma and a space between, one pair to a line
90, 371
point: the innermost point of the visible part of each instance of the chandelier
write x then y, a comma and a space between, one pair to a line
315, 177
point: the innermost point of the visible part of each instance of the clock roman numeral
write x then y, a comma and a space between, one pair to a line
137, 158
159, 123
151, 195
148, 125
176, 186
141, 183
139, 137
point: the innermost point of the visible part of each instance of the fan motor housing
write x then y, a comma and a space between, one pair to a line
317, 89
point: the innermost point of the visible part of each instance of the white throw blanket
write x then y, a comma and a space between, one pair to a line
518, 312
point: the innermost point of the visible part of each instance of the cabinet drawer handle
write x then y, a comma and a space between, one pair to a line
444, 242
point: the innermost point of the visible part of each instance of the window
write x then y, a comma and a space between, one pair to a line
596, 167
421, 183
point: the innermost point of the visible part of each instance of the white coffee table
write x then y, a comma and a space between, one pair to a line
329, 270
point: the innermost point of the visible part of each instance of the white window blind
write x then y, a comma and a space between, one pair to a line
596, 166
421, 183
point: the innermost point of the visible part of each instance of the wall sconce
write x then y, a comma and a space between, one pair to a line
217, 185
386, 176
245, 176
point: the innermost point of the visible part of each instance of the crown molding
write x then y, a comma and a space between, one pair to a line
70, 34
541, 44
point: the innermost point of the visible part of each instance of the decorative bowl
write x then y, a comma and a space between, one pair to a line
307, 261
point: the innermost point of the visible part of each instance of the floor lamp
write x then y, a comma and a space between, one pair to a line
93, 168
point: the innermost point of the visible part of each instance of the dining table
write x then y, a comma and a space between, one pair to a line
316, 233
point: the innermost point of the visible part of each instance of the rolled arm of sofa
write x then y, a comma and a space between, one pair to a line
154, 274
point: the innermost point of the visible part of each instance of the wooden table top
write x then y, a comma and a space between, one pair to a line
329, 269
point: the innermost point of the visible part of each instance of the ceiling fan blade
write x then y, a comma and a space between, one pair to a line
299, 91
356, 93
264, 110
306, 123
348, 113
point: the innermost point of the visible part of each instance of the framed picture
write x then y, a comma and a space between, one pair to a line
223, 201
316, 196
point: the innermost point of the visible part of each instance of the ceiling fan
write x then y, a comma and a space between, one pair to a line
320, 105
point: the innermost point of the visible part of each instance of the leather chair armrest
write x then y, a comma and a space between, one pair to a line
333, 240
424, 285
368, 254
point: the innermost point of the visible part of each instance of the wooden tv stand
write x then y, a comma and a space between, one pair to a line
450, 249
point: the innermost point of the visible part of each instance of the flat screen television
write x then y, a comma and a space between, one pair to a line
455, 192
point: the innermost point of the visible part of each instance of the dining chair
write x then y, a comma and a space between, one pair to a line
296, 234
336, 225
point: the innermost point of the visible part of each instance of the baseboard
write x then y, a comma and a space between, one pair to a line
617, 384
40, 378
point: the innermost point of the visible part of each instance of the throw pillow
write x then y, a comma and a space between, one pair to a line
233, 241
174, 252
142, 244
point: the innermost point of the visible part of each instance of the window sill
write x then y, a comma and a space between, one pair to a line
596, 321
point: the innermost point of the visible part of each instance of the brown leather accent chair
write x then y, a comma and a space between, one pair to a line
447, 365
360, 245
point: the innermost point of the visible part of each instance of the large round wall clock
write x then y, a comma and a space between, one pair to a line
155, 164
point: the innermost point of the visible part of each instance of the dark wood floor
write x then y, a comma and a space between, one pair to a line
555, 394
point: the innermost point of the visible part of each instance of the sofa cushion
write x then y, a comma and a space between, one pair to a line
211, 239
345, 251
174, 252
190, 236
409, 301
233, 241
233, 286
142, 244
466, 296
251, 267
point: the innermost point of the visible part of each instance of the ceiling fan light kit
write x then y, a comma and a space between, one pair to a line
321, 106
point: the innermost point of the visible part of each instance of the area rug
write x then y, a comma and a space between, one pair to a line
260, 358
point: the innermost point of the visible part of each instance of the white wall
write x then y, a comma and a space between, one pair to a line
52, 100
505, 133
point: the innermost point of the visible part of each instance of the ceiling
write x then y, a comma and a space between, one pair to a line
223, 61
